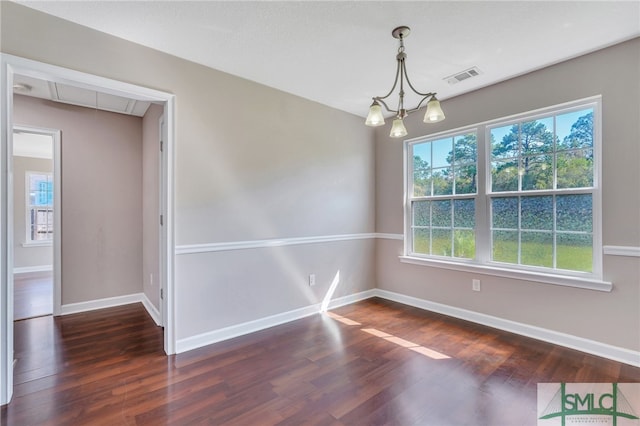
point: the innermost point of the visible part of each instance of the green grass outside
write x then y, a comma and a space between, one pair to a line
569, 257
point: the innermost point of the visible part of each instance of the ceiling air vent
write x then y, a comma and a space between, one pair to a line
458, 77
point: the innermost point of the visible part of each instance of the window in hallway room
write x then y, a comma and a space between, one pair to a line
40, 206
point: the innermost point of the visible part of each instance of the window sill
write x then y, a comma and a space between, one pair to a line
568, 281
38, 244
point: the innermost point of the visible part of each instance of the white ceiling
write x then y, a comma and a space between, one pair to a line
341, 53
35, 145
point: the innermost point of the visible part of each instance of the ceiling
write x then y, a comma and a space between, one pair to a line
34, 145
341, 53
57, 92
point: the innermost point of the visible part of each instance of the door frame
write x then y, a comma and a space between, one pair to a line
162, 207
9, 66
57, 219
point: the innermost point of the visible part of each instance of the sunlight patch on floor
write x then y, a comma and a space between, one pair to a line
342, 319
375, 332
393, 339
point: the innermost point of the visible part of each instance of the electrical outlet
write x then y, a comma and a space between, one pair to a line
475, 285
151, 279
312, 279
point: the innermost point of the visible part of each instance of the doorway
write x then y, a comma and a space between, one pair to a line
36, 192
11, 67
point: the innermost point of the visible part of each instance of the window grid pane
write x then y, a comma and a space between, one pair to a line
547, 153
549, 231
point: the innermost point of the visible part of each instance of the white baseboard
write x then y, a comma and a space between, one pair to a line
109, 302
151, 309
604, 350
352, 298
197, 341
29, 269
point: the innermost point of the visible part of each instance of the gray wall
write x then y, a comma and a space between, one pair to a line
101, 206
251, 163
612, 318
33, 256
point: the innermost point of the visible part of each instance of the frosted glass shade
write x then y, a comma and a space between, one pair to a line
375, 117
397, 129
434, 112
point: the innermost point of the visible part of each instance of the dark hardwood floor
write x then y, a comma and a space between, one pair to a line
32, 295
370, 363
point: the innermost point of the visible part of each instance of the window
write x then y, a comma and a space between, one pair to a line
39, 207
443, 199
541, 192
532, 205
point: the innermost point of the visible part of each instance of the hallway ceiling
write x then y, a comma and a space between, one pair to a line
341, 53
64, 93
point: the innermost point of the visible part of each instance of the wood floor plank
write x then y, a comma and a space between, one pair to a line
107, 367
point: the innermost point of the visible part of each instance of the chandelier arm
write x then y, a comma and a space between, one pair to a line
411, 85
427, 96
395, 83
386, 106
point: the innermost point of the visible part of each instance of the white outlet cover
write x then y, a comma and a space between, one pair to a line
475, 285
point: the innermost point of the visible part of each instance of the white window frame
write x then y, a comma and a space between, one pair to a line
29, 242
482, 264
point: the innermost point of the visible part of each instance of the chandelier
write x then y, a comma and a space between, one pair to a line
432, 115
